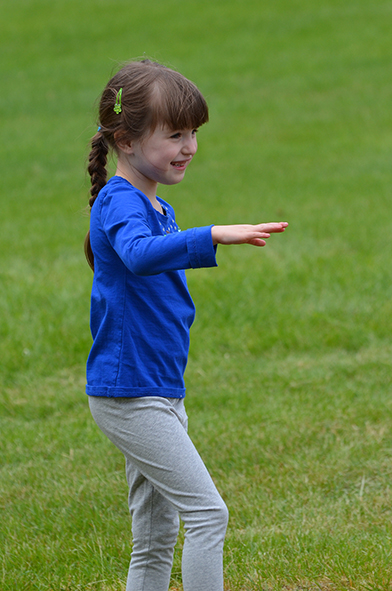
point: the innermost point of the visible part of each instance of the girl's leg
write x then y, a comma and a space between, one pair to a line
151, 432
155, 526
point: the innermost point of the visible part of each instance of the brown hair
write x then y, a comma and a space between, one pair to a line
152, 95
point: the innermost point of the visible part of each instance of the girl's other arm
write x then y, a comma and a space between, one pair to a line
246, 233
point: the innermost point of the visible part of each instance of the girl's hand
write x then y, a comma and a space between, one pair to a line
246, 234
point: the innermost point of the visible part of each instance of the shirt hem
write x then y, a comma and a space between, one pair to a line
108, 392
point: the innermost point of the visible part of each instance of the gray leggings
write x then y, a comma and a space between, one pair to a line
167, 478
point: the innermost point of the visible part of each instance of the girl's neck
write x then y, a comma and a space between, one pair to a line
148, 188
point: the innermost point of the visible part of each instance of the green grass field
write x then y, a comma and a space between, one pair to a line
289, 376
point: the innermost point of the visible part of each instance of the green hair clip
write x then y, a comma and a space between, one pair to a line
117, 107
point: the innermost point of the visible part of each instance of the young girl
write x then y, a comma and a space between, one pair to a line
141, 313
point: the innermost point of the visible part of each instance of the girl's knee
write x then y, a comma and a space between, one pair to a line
223, 515
158, 542
159, 531
208, 521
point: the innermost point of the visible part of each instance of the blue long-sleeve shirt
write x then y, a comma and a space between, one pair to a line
141, 309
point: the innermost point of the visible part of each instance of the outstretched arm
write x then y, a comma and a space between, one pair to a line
246, 233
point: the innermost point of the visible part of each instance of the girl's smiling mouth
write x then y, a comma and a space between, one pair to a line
181, 164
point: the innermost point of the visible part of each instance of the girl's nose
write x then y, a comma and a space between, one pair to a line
190, 145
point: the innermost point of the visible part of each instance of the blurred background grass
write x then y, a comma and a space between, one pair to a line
289, 374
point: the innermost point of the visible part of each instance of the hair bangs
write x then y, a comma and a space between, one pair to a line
177, 103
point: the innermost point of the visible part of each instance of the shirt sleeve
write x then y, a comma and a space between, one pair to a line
125, 222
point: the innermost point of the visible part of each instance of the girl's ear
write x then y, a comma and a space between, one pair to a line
122, 143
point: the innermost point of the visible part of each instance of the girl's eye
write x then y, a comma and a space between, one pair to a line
178, 134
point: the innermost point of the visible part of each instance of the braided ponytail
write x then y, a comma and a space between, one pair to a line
97, 165
98, 173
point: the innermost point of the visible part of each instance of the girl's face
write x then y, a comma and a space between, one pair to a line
162, 157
